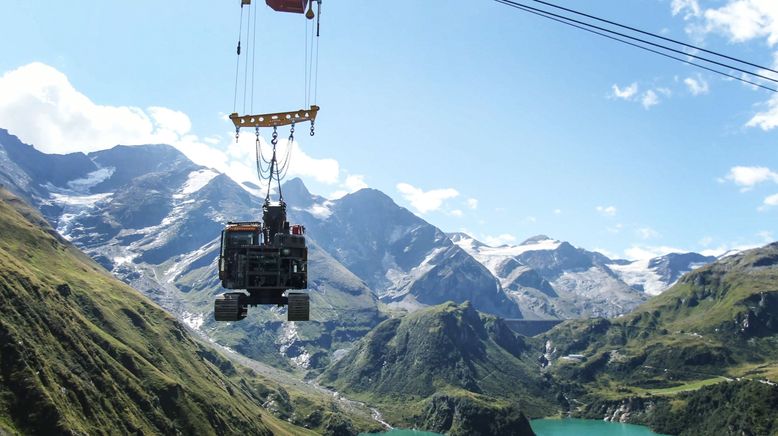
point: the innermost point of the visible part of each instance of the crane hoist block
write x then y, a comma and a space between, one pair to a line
293, 6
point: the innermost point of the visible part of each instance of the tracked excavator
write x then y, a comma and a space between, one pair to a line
267, 261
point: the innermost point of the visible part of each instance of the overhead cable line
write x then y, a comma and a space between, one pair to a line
634, 38
562, 20
608, 33
237, 62
613, 23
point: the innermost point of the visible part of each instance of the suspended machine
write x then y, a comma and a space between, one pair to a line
266, 261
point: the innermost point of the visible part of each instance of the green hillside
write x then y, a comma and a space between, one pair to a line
720, 320
448, 369
83, 353
696, 344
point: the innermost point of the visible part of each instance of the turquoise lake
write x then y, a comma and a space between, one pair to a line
587, 427
559, 427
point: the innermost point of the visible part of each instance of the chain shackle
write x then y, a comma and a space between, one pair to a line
274, 141
312, 128
291, 134
237, 134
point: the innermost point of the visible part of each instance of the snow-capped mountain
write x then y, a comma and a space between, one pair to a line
153, 218
405, 260
554, 278
654, 276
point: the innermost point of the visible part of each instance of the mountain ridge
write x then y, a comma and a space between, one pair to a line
450, 355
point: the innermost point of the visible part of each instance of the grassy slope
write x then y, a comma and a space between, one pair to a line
97, 357
717, 321
684, 348
445, 357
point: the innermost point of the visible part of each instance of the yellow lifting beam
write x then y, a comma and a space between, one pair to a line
276, 119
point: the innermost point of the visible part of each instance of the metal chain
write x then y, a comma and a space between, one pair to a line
258, 150
291, 135
274, 141
312, 128
237, 134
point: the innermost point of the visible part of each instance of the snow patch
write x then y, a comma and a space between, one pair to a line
79, 200
182, 262
515, 250
289, 336
121, 260
494, 257
91, 180
302, 360
75, 206
321, 211
638, 273
195, 182
193, 320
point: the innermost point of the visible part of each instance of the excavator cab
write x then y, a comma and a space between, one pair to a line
265, 259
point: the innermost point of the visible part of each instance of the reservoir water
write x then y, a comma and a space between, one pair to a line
587, 427
399, 432
558, 427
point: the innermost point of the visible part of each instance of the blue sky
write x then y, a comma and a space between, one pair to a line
474, 115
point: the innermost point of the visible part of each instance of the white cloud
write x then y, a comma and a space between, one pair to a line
637, 252
530, 219
472, 203
172, 120
615, 229
748, 177
771, 200
606, 210
609, 254
768, 119
213, 140
40, 106
762, 238
696, 86
647, 233
718, 251
353, 183
426, 201
743, 20
690, 8
626, 93
739, 21
706, 241
557, 211
456, 212
496, 241
649, 99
